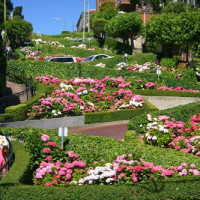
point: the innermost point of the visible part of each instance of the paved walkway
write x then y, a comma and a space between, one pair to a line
109, 129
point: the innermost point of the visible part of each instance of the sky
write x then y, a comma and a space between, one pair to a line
41, 14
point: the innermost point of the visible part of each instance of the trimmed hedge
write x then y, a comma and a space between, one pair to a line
126, 114
18, 172
186, 189
166, 93
180, 113
18, 112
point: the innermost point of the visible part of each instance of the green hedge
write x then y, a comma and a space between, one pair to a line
18, 112
18, 173
186, 189
6, 118
181, 113
166, 93
142, 58
126, 114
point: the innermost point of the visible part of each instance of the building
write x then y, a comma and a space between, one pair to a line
80, 23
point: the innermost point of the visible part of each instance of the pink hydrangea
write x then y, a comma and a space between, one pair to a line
44, 137
46, 151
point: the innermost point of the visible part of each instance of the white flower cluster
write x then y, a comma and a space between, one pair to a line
103, 174
154, 125
100, 65
56, 113
132, 102
61, 45
65, 87
80, 46
142, 68
121, 65
196, 141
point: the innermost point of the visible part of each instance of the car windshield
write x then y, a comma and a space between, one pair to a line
65, 60
88, 59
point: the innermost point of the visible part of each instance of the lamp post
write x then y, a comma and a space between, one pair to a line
144, 9
84, 20
58, 19
4, 10
126, 57
88, 17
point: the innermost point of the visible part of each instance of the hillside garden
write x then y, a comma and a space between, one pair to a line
159, 156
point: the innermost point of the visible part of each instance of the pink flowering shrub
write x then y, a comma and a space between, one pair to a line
73, 97
166, 132
58, 167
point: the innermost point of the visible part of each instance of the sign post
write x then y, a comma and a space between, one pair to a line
158, 71
62, 132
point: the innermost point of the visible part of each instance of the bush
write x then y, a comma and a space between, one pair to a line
180, 113
187, 189
141, 58
167, 62
18, 112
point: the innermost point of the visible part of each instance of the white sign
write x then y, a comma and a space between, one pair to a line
63, 130
158, 72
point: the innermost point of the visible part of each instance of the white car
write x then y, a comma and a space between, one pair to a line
96, 57
67, 59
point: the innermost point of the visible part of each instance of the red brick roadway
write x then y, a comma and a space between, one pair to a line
116, 131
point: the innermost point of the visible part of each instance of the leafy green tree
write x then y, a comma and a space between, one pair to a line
175, 30
176, 7
17, 13
18, 31
9, 8
126, 26
105, 5
99, 30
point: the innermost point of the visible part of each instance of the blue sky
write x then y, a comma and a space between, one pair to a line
41, 14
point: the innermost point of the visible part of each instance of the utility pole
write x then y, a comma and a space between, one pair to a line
4, 10
88, 17
84, 21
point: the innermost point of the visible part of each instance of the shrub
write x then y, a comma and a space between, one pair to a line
141, 58
180, 113
18, 112
167, 62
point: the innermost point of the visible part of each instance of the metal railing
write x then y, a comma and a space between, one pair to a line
9, 158
18, 76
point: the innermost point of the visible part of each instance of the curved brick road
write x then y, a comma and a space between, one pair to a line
113, 130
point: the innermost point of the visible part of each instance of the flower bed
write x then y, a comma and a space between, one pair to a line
169, 133
75, 96
64, 168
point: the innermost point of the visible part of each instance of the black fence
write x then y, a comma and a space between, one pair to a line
17, 76
9, 157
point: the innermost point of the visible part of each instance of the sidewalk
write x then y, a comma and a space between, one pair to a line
114, 129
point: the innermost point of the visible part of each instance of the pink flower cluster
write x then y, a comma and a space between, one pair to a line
48, 80
150, 85
57, 172
180, 89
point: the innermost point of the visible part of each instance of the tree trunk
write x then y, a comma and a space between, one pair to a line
132, 44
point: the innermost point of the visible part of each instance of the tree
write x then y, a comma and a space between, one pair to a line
2, 67
18, 31
99, 30
98, 22
17, 13
174, 30
106, 5
9, 8
176, 7
126, 26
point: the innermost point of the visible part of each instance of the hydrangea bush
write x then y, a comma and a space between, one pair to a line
165, 132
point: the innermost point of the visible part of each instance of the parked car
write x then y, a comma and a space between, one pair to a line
67, 59
96, 57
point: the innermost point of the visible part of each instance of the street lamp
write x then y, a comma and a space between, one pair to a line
144, 8
58, 19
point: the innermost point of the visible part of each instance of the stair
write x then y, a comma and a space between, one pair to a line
13, 88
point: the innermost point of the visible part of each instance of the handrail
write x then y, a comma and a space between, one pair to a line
29, 83
9, 158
